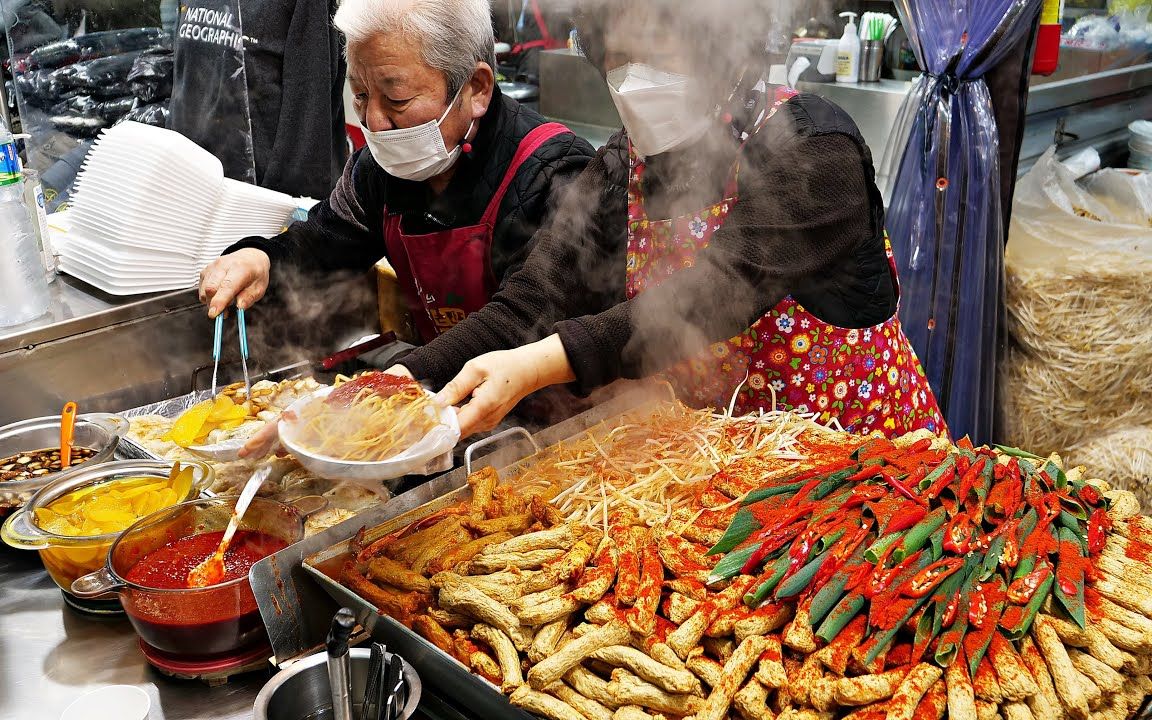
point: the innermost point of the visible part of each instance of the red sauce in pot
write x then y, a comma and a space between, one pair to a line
168, 567
204, 622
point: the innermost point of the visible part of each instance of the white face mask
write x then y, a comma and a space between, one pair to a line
661, 110
415, 153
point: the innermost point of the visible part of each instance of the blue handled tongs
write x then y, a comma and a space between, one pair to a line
242, 330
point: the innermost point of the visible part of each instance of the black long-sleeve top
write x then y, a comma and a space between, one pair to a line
346, 230
808, 223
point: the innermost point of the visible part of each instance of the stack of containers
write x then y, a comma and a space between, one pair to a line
152, 208
1140, 145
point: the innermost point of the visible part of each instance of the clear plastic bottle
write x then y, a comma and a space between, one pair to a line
23, 287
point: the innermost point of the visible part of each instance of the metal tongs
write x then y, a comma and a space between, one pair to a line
386, 693
217, 341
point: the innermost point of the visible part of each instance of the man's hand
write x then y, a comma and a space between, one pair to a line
494, 383
241, 276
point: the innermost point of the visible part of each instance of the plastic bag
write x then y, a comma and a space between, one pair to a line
431, 454
95, 45
151, 76
1060, 226
105, 77
155, 114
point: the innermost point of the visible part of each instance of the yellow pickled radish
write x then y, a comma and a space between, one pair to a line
221, 409
182, 483
110, 507
190, 424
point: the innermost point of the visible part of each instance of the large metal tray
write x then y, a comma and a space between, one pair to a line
297, 599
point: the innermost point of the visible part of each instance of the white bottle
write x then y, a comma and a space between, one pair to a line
23, 287
848, 52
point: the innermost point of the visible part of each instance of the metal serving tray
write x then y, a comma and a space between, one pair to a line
297, 599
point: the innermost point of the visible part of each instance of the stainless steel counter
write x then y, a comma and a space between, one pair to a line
50, 655
78, 308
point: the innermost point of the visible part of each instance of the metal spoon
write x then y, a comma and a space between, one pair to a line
211, 570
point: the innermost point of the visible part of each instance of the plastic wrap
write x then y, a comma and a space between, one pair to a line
945, 217
95, 45
210, 86
151, 76
155, 114
105, 77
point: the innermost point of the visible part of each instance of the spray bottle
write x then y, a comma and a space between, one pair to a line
848, 52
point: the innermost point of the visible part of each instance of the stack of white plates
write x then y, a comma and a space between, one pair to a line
151, 208
1140, 145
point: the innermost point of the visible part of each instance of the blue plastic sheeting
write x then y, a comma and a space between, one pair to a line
945, 217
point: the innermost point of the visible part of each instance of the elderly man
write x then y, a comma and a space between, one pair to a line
454, 181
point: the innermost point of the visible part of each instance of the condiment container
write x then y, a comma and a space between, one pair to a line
67, 557
300, 692
191, 622
97, 431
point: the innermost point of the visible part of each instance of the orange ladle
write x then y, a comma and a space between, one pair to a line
67, 429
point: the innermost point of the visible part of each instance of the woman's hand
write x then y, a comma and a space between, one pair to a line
494, 383
265, 440
241, 276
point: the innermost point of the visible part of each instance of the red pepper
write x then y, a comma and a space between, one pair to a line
889, 475
999, 471
969, 480
913, 480
919, 446
1010, 556
963, 463
938, 487
957, 538
977, 608
905, 519
865, 492
930, 577
965, 443
882, 578
1068, 587
1022, 589
830, 469
866, 473
1098, 526
950, 611
1090, 495
771, 543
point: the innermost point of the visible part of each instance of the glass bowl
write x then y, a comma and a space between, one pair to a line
97, 431
67, 557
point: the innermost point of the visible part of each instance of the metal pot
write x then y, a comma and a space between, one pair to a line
301, 692
97, 431
67, 557
192, 622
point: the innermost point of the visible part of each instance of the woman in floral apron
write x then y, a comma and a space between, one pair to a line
686, 278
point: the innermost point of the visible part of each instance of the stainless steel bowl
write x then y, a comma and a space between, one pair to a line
98, 431
301, 691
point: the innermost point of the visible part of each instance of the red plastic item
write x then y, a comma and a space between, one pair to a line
1047, 57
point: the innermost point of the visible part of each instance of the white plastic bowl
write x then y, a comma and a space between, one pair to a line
431, 454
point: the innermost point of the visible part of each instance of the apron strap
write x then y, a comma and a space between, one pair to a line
529, 145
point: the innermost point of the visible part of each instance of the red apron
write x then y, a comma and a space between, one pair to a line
448, 274
868, 379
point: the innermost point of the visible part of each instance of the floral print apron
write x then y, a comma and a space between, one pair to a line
869, 379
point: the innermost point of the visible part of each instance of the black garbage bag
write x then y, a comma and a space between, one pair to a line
151, 76
97, 45
104, 77
154, 114
41, 88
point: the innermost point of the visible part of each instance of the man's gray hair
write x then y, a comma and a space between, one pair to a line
453, 35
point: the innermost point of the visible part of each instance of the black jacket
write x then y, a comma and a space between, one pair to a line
809, 222
293, 138
345, 231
